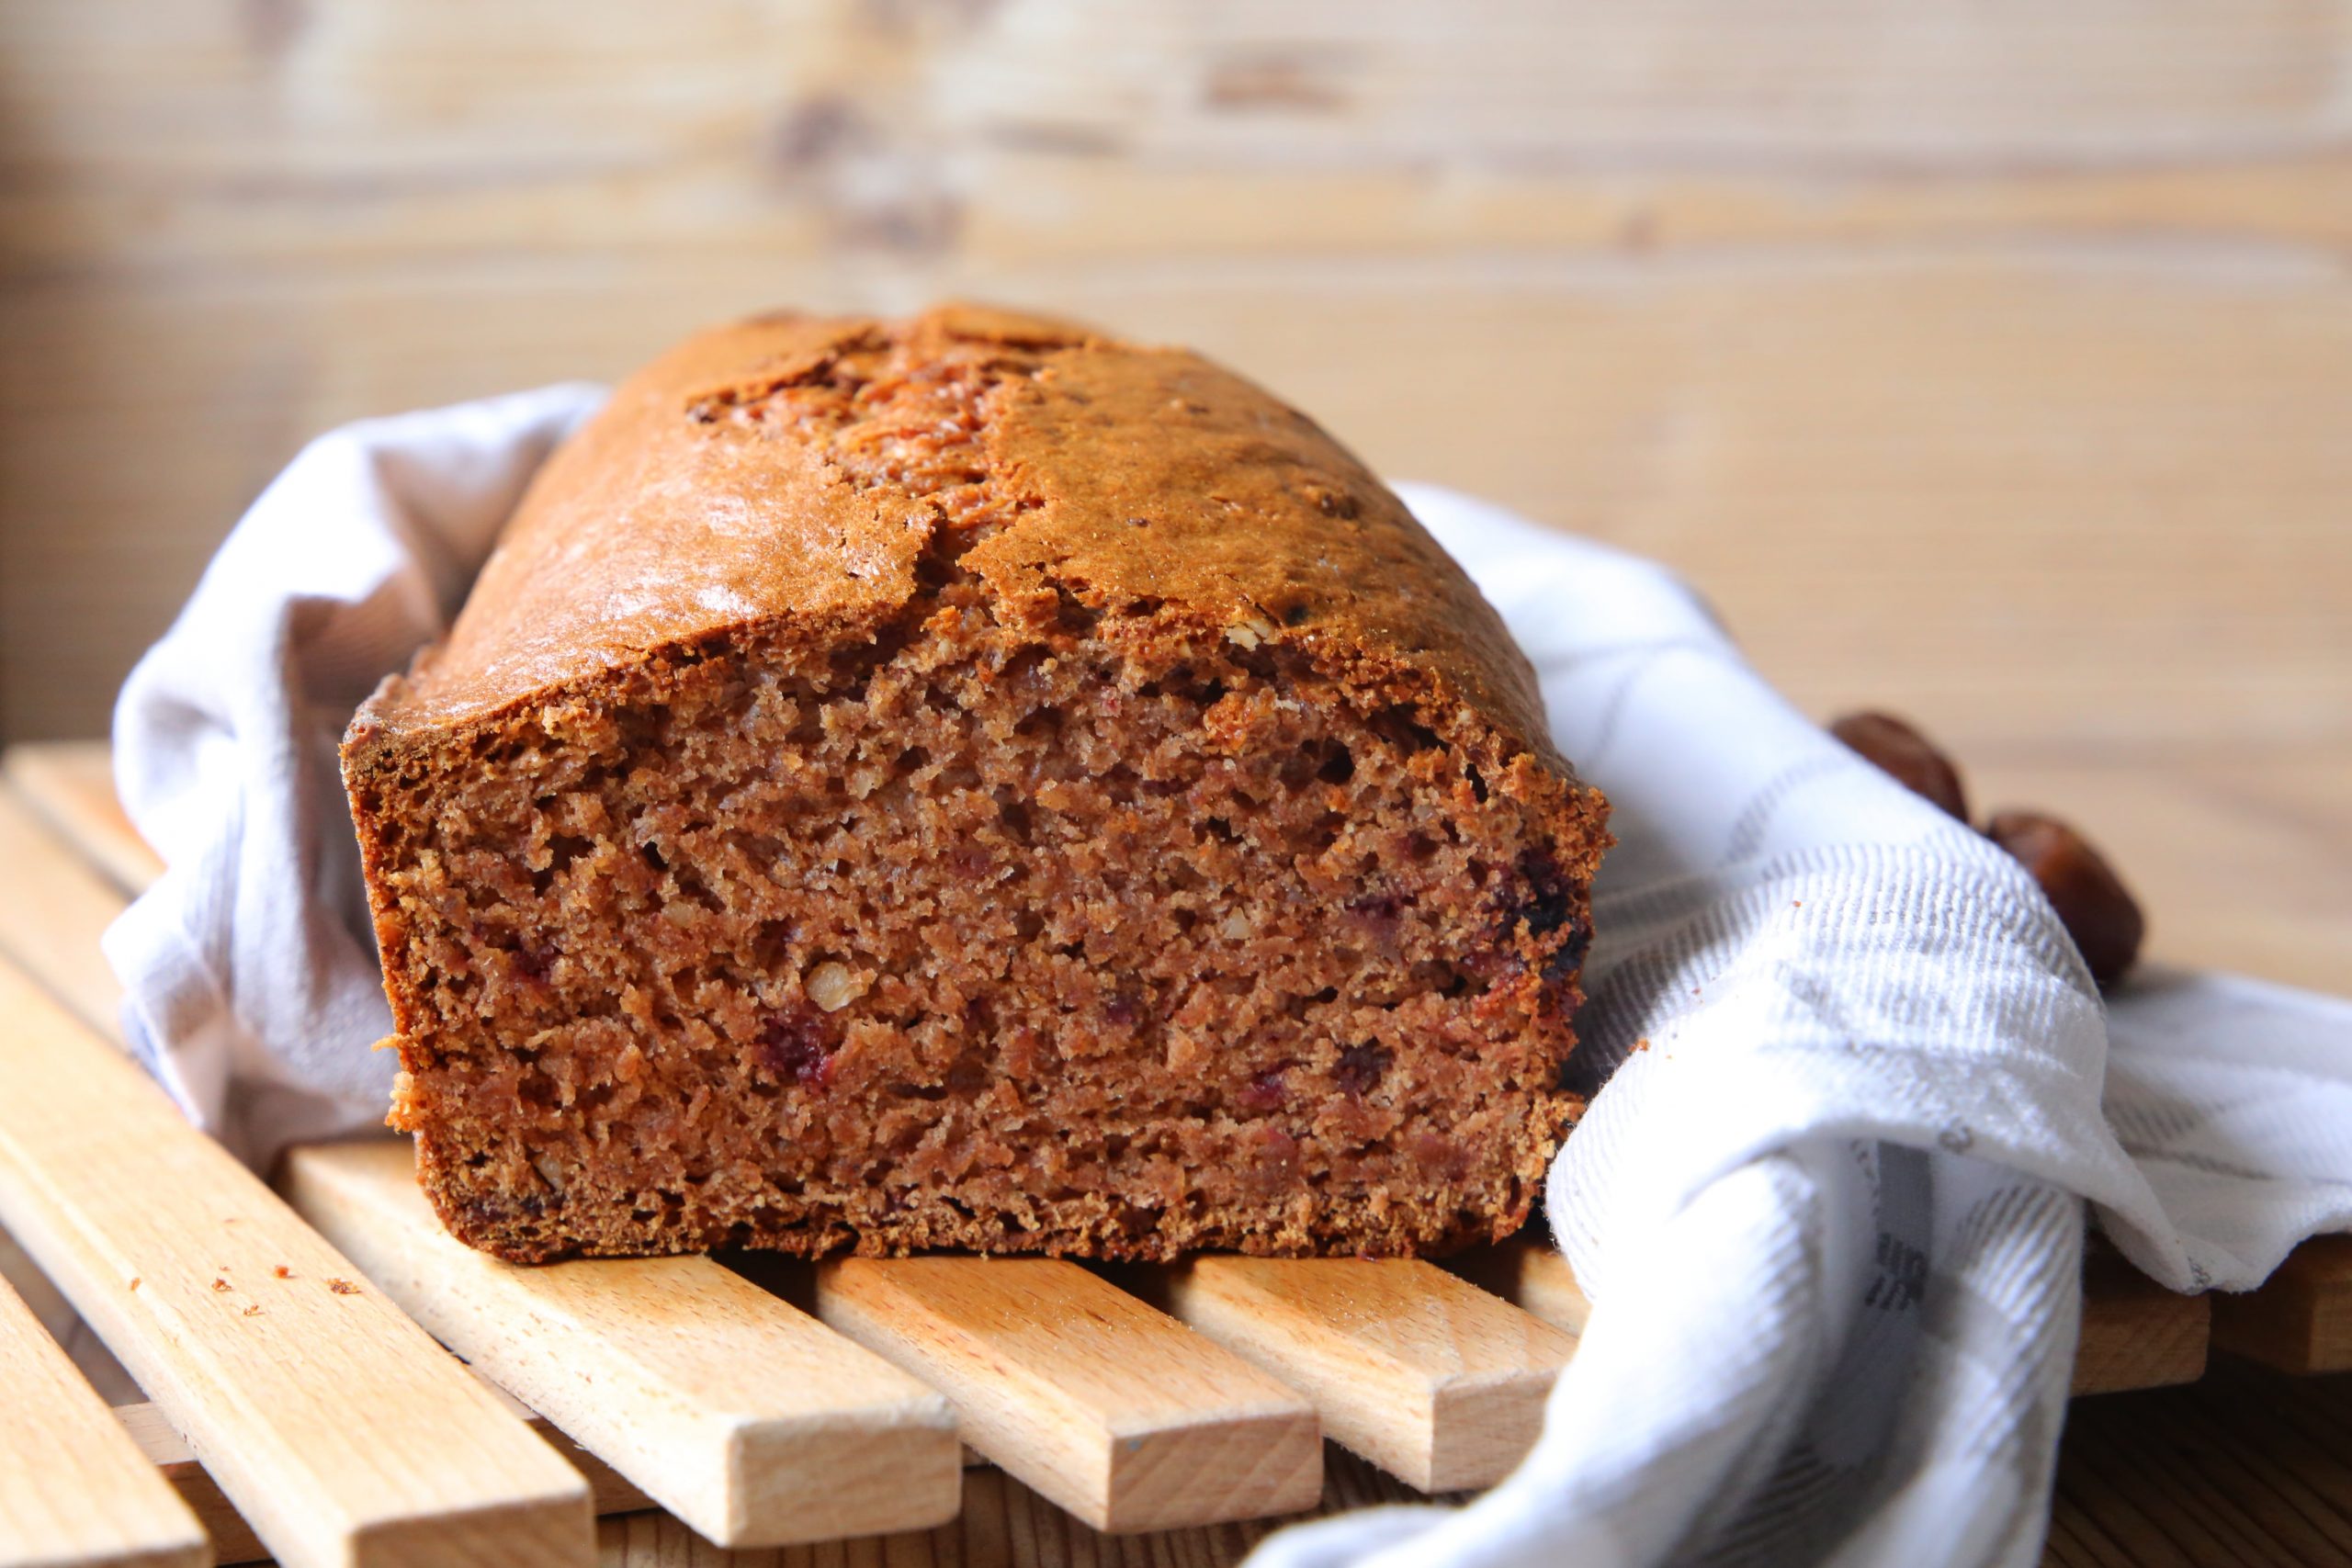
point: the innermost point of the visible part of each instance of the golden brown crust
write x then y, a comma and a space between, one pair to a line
1154, 474
967, 781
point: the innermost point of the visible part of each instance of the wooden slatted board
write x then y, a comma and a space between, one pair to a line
73, 1487
1438, 1375
342, 1432
731, 1408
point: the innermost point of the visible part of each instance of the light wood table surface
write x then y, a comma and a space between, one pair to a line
1988, 361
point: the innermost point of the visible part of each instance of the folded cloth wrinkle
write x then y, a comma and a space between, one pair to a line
249, 970
1851, 1086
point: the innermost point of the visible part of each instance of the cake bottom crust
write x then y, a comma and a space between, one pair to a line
604, 1216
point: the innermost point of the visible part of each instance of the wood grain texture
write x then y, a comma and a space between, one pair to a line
1971, 350
70, 786
733, 1410
1007, 1525
1529, 1272
1127, 1419
1424, 1374
345, 1435
2136, 1333
2299, 1320
57, 1317
54, 906
2244, 1467
1977, 360
233, 1541
151, 1431
75, 1492
2242, 858
2133, 1335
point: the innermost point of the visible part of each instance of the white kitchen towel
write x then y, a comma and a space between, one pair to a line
249, 973
1853, 1085
1827, 1204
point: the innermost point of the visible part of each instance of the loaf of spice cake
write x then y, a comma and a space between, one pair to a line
967, 781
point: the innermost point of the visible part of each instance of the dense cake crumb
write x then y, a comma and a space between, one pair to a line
1062, 870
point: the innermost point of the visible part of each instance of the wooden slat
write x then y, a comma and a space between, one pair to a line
1008, 1524
743, 1466
342, 1432
1529, 1272
2299, 1320
48, 1306
2138, 1339
70, 786
54, 906
233, 1539
74, 1490
163, 1449
2135, 1333
1127, 1419
609, 1490
1426, 1376
2133, 1336
735, 1411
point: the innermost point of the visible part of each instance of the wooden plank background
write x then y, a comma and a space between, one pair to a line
1987, 357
